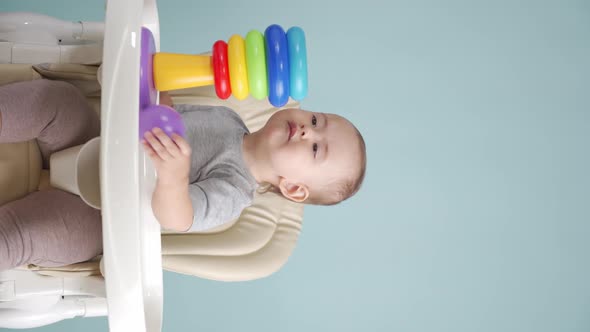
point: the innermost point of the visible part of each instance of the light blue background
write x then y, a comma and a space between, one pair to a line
475, 213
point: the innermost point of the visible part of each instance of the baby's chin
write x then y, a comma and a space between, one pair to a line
276, 135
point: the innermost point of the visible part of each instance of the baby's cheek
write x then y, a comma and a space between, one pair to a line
285, 160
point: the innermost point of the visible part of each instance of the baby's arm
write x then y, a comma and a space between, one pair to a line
172, 206
171, 202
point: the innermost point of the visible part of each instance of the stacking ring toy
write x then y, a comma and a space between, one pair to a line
272, 65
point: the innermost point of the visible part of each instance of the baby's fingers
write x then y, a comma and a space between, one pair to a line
170, 146
157, 146
184, 147
150, 152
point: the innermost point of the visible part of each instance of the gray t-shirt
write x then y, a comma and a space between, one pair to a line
221, 185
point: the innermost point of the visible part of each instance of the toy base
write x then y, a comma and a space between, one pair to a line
147, 91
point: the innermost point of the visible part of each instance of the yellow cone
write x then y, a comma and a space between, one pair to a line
179, 71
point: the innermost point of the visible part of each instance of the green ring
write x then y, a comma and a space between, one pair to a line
256, 64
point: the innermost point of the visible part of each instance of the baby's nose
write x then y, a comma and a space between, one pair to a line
306, 132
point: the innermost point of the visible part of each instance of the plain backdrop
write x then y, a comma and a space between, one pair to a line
475, 211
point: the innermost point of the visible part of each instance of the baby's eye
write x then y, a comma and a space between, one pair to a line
314, 121
315, 149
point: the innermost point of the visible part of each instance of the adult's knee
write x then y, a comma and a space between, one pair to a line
48, 97
14, 244
57, 93
66, 103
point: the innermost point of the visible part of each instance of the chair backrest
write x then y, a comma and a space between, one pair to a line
261, 240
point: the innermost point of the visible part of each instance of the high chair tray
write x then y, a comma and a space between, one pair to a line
131, 234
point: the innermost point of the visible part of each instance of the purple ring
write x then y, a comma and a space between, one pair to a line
147, 91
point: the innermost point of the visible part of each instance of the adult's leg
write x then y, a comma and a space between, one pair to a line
54, 112
48, 228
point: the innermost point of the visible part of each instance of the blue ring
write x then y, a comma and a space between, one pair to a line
297, 63
277, 65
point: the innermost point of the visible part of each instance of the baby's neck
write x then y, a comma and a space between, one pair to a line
251, 158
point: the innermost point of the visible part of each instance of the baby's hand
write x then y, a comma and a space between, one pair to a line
171, 156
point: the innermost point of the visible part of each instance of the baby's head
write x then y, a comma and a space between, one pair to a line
313, 158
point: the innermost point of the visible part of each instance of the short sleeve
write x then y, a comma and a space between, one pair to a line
218, 199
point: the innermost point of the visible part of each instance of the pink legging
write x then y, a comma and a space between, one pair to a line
49, 227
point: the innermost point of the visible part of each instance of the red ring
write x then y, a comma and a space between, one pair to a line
221, 70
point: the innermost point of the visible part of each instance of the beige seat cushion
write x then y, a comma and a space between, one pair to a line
20, 170
16, 73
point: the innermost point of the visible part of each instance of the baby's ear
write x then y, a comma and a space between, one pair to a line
297, 192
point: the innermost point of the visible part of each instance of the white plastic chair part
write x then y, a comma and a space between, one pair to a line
34, 28
33, 284
44, 310
27, 37
131, 234
76, 170
40, 300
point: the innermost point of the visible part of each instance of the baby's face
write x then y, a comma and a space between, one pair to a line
309, 148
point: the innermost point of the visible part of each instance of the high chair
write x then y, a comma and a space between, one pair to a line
126, 283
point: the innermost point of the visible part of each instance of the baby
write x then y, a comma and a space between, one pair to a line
307, 157
203, 180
